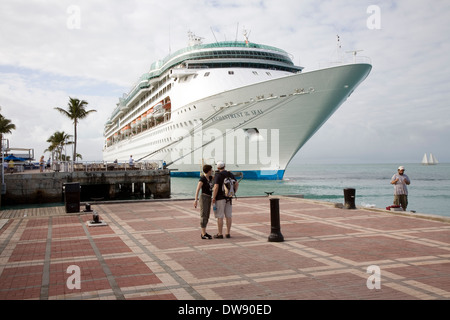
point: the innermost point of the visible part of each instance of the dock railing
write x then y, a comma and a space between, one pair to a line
87, 166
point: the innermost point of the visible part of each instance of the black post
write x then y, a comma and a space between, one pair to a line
87, 208
72, 196
349, 197
275, 234
95, 217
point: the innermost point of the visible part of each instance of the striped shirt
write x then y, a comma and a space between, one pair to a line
400, 186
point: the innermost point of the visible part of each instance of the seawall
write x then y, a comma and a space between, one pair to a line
47, 187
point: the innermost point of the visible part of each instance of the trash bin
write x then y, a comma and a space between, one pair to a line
349, 197
72, 197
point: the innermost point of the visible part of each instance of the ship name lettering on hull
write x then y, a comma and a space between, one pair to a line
238, 115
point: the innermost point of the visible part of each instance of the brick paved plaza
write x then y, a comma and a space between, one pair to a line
153, 250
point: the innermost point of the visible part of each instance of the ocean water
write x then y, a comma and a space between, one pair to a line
429, 191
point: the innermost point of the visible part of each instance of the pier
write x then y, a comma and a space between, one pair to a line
152, 250
96, 182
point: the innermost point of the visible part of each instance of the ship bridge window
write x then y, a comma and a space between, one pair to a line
255, 73
231, 72
206, 74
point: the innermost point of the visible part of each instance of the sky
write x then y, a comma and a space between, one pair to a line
95, 50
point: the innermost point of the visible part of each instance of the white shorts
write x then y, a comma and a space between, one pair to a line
223, 209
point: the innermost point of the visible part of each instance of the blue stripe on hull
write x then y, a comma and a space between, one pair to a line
251, 174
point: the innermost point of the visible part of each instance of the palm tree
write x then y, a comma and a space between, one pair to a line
5, 127
57, 142
76, 109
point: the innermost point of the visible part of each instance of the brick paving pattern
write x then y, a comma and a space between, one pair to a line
153, 250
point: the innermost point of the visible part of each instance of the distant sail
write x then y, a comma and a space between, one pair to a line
425, 159
429, 161
433, 160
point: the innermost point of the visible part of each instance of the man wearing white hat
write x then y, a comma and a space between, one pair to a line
223, 204
400, 180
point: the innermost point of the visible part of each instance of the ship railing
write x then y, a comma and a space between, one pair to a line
89, 166
355, 59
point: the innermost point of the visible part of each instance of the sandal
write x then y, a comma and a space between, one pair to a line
228, 236
218, 236
206, 236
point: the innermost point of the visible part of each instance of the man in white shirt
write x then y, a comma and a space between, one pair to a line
130, 161
400, 180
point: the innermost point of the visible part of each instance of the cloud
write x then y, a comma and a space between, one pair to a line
395, 115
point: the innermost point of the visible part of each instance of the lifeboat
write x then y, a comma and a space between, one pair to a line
158, 110
149, 116
126, 129
167, 109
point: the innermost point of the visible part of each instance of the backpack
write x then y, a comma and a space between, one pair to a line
228, 186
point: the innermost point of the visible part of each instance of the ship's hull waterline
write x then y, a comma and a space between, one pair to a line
256, 129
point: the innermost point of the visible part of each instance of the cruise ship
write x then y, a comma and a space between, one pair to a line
239, 102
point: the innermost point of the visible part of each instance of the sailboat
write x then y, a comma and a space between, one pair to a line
429, 161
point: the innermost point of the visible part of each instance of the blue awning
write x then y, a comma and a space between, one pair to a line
13, 158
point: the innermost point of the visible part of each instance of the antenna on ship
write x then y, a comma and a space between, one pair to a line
170, 49
339, 48
214, 34
246, 35
337, 57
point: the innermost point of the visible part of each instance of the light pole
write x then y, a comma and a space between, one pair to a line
3, 166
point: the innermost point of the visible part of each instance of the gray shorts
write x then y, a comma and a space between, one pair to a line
224, 209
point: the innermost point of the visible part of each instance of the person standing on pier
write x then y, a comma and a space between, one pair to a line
400, 180
131, 162
223, 203
41, 164
11, 166
204, 184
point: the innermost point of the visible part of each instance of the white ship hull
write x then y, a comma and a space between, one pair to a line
254, 126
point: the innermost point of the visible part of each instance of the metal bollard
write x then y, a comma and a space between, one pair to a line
349, 197
87, 208
95, 218
275, 229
